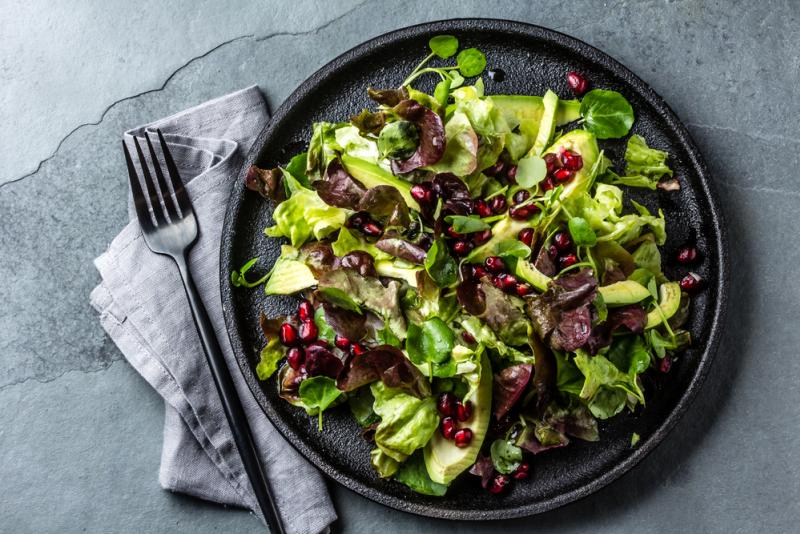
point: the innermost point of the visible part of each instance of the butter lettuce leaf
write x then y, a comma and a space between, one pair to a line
407, 423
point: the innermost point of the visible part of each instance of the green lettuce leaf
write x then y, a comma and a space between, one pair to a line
414, 474
407, 423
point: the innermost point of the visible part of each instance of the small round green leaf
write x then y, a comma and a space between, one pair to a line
471, 62
443, 46
606, 113
530, 171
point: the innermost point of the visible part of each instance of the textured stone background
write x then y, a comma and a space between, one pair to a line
80, 432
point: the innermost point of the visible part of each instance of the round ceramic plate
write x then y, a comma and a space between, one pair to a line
533, 60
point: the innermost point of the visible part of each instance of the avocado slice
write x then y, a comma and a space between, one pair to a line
585, 144
443, 460
624, 292
390, 269
289, 276
669, 302
526, 111
506, 228
371, 175
547, 126
528, 272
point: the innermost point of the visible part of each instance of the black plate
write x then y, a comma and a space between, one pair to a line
533, 59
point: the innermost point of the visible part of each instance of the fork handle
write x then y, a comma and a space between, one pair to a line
230, 402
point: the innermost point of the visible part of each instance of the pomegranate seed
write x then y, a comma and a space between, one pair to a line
562, 241
552, 251
495, 264
463, 411
497, 282
666, 364
446, 404
552, 162
295, 358
523, 213
523, 289
357, 349
479, 271
577, 82
462, 248
567, 260
288, 334
509, 282
308, 331
522, 471
691, 282
495, 169
563, 175
372, 229
466, 336
498, 204
422, 192
498, 484
526, 236
482, 237
341, 342
521, 196
547, 184
511, 173
465, 271
448, 428
687, 254
358, 220
571, 160
305, 311
450, 231
463, 437
482, 209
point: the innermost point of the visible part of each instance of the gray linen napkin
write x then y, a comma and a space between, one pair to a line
143, 307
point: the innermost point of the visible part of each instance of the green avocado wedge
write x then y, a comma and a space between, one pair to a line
669, 302
547, 126
624, 292
528, 272
371, 175
443, 460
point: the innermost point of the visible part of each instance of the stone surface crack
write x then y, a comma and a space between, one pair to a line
760, 189
43, 380
312, 30
753, 135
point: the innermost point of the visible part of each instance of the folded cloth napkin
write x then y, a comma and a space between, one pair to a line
143, 307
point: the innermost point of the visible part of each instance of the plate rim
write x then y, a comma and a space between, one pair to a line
706, 188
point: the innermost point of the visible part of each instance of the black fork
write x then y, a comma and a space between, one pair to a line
171, 231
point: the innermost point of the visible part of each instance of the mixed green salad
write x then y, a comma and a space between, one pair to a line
475, 285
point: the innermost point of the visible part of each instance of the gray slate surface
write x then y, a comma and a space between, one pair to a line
73, 78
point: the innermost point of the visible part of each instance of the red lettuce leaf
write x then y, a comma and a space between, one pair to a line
509, 384
338, 188
321, 361
484, 468
360, 261
386, 205
633, 317
345, 323
266, 182
400, 248
388, 364
388, 97
431, 136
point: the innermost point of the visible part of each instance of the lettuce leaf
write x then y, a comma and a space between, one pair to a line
407, 423
414, 474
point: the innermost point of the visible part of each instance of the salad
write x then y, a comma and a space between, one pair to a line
476, 288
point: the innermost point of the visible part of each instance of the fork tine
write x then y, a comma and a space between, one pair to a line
139, 200
177, 185
151, 190
169, 203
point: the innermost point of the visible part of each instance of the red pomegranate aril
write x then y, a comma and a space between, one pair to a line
552, 251
509, 282
567, 260
463, 437
523, 213
308, 331
305, 311
577, 82
691, 282
446, 404
448, 428
466, 336
479, 271
523, 471
523, 289
451, 232
552, 162
357, 220
521, 196
666, 365
511, 173
526, 236
547, 184
371, 229
296, 357
481, 208
495, 169
288, 334
687, 254
422, 192
562, 241
463, 411
357, 348
498, 204
462, 248
495, 264
482, 237
571, 160
341, 342
497, 282
498, 484
563, 175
